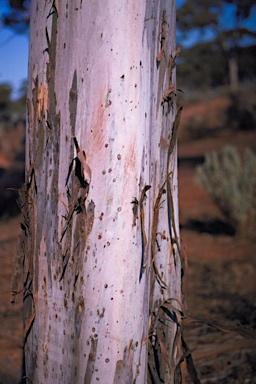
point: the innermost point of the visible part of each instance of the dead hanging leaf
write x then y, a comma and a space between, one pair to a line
174, 132
28, 324
164, 353
167, 304
189, 362
183, 370
31, 318
165, 96
184, 265
172, 61
217, 350
14, 294
178, 50
28, 378
159, 279
248, 333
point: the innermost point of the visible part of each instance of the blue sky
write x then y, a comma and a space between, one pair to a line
14, 49
13, 54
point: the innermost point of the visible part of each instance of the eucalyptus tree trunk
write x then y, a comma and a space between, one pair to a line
102, 266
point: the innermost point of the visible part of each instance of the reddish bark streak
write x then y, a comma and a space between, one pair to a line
99, 118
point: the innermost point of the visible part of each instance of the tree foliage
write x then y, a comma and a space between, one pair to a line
197, 15
206, 16
218, 44
198, 70
18, 16
204, 66
5, 93
9, 106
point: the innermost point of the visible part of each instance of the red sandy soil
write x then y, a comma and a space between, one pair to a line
221, 268
11, 333
221, 274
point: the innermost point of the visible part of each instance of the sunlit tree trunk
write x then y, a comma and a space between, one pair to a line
102, 269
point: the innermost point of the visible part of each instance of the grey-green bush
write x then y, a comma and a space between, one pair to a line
231, 182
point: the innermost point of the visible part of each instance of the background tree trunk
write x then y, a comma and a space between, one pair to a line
93, 310
233, 74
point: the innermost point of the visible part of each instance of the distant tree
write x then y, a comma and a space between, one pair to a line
197, 69
198, 15
17, 17
204, 65
7, 105
202, 18
5, 101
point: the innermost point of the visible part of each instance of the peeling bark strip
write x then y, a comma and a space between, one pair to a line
135, 210
161, 354
73, 103
98, 134
82, 224
167, 95
163, 37
170, 205
91, 362
53, 10
23, 260
123, 373
143, 196
154, 235
82, 169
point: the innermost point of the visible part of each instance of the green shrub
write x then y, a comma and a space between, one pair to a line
231, 182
